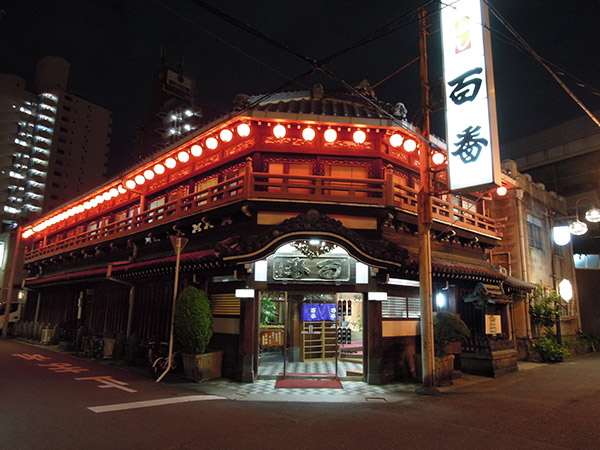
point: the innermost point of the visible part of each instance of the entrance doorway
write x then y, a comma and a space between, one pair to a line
315, 334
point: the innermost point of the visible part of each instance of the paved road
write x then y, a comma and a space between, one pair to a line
45, 404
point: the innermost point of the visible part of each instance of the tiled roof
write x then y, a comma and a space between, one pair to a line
325, 106
443, 266
331, 104
477, 272
81, 275
202, 256
520, 284
169, 260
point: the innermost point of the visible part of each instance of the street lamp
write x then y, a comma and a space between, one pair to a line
562, 234
565, 290
592, 215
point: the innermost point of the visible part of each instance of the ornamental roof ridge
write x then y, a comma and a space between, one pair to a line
313, 222
317, 101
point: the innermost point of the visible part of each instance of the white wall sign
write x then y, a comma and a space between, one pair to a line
471, 130
493, 324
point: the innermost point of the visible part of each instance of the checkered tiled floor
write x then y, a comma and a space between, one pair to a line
266, 388
272, 366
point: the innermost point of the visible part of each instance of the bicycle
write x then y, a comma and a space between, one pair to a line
158, 357
92, 346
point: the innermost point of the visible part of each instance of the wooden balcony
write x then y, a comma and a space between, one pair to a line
264, 186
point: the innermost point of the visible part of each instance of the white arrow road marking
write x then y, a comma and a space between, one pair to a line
150, 403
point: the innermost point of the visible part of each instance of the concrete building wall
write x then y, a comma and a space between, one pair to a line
527, 249
18, 109
79, 150
53, 144
588, 283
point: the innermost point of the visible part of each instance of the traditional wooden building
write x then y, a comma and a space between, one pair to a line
309, 202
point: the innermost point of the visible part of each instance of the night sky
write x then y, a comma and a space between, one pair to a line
113, 47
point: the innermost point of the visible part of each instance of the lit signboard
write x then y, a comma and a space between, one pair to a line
471, 130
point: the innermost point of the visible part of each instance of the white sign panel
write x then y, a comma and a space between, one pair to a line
471, 130
493, 324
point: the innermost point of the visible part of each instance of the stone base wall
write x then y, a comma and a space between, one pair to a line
228, 344
398, 358
487, 364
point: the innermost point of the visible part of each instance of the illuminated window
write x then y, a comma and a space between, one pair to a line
203, 189
299, 168
347, 172
401, 308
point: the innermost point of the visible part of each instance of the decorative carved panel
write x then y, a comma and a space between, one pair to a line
302, 268
184, 171
160, 182
348, 145
239, 147
205, 161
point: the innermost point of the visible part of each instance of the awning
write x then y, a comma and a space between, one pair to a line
481, 271
519, 284
166, 261
203, 258
83, 275
485, 294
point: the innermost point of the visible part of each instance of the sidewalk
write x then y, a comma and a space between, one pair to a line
264, 390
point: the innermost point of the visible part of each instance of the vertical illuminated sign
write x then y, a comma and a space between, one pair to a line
471, 129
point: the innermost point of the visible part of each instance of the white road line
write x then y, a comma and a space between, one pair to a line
150, 403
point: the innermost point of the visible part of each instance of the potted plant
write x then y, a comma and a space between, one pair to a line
193, 330
447, 329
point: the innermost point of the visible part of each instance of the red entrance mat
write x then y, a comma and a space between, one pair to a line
308, 374
291, 383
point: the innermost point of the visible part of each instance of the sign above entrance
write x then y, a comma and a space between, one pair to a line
471, 129
301, 268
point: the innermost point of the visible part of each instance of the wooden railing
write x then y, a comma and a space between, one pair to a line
257, 185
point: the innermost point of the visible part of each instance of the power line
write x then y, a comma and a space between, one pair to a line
223, 41
316, 65
247, 28
508, 40
539, 59
395, 72
381, 32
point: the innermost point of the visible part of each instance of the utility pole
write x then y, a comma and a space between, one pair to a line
11, 281
425, 213
178, 243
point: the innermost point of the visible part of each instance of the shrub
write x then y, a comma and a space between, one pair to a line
549, 349
448, 328
193, 321
589, 338
544, 309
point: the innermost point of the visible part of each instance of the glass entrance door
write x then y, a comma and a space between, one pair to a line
272, 331
310, 335
317, 330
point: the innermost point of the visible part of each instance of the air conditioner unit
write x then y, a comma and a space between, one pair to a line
501, 269
46, 335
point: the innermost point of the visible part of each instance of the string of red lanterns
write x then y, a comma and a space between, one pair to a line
243, 129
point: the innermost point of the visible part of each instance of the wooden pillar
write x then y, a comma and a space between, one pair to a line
130, 310
37, 306
374, 343
247, 341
